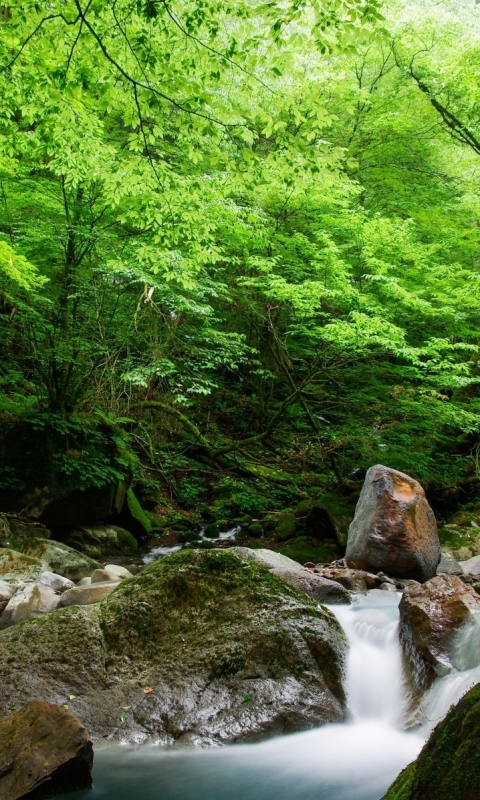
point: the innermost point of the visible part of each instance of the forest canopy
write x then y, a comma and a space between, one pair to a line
241, 239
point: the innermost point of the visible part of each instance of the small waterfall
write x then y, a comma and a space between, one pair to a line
356, 760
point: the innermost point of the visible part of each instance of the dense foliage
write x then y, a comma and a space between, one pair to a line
241, 238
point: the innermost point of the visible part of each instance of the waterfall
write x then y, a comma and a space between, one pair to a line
356, 760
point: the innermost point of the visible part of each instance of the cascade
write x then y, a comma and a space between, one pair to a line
356, 760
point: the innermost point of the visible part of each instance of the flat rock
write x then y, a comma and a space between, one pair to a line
394, 528
29, 601
471, 566
61, 559
269, 558
85, 595
320, 589
111, 572
44, 751
56, 582
430, 618
450, 566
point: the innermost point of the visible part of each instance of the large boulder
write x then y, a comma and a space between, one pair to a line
269, 558
44, 751
431, 616
201, 646
60, 558
394, 528
448, 768
102, 540
15, 530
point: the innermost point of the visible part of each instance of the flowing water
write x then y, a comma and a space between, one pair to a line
356, 760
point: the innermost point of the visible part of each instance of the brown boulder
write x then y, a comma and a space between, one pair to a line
44, 751
394, 528
430, 618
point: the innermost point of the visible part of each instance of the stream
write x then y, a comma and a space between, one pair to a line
356, 760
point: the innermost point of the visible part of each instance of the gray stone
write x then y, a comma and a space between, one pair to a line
320, 589
388, 587
84, 582
29, 601
449, 565
271, 559
86, 595
394, 528
56, 582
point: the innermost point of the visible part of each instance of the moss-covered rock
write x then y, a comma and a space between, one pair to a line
255, 530
16, 567
304, 549
286, 526
325, 517
173, 652
461, 541
61, 559
448, 768
102, 540
134, 518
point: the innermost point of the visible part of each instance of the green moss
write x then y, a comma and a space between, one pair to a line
461, 542
303, 550
448, 768
285, 527
137, 513
255, 530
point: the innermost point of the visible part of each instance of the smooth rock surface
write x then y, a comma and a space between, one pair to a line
29, 601
44, 751
394, 528
430, 618
56, 582
315, 586
202, 645
86, 595
111, 572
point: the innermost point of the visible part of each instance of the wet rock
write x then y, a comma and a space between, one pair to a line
29, 601
448, 767
102, 540
61, 559
449, 565
394, 528
44, 751
56, 582
206, 644
17, 567
388, 587
111, 572
430, 618
86, 595
269, 558
471, 567
317, 587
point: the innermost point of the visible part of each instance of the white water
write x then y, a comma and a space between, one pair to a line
159, 552
354, 761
